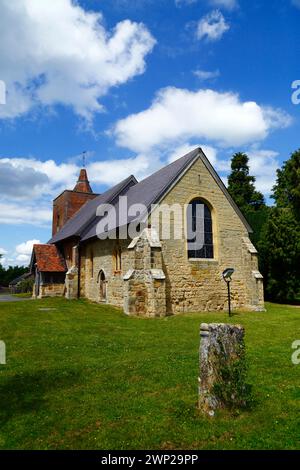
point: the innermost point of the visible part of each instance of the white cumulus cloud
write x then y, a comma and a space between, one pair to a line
30, 178
210, 152
28, 185
23, 251
25, 248
56, 52
206, 74
177, 115
18, 214
212, 26
263, 165
109, 172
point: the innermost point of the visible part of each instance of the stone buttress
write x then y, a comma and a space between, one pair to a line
144, 283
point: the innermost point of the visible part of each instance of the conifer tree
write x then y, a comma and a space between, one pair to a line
241, 185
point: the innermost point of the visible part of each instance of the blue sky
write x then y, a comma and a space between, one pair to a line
137, 83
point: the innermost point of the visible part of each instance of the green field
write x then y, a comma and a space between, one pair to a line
84, 376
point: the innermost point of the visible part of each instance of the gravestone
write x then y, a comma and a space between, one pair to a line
222, 367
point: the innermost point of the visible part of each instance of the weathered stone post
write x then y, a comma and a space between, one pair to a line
71, 283
222, 367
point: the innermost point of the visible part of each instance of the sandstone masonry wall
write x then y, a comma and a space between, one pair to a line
190, 285
197, 285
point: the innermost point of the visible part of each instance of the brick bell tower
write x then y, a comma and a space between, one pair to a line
69, 202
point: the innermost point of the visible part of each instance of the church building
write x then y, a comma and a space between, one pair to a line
150, 274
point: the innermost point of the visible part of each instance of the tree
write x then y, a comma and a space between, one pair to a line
280, 244
26, 285
241, 185
257, 221
9, 274
279, 249
286, 191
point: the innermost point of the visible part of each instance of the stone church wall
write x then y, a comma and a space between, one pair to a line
197, 285
190, 285
98, 256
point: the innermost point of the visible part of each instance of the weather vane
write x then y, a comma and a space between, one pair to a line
84, 158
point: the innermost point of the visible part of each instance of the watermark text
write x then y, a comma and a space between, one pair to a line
296, 93
2, 353
170, 222
296, 353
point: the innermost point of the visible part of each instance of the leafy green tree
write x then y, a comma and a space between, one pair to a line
2, 270
26, 285
241, 185
9, 274
257, 220
279, 249
286, 191
280, 244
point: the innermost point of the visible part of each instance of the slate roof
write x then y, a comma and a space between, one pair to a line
87, 213
48, 259
147, 192
21, 278
151, 189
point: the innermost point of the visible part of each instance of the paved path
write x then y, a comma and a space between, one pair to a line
11, 298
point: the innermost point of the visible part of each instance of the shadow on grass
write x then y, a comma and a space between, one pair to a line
294, 302
26, 393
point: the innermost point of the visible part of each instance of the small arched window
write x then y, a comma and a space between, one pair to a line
117, 259
57, 222
200, 230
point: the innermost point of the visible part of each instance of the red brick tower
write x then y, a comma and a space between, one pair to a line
69, 202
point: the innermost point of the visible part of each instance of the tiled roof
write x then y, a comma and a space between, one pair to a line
48, 259
83, 184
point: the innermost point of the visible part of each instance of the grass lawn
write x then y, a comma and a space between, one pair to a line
23, 295
85, 376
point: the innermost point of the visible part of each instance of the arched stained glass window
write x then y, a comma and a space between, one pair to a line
199, 223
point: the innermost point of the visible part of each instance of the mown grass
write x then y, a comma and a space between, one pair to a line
23, 295
85, 376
